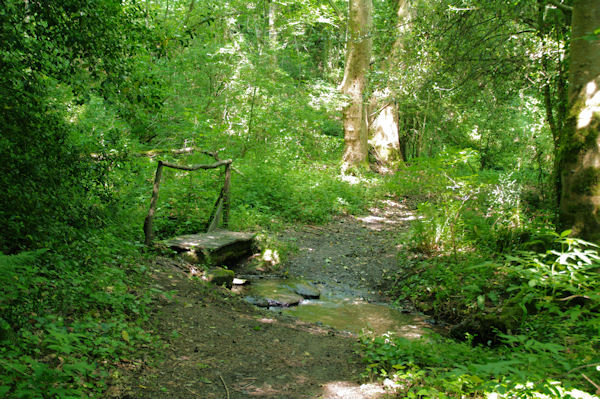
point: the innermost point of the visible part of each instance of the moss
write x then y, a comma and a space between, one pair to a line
587, 182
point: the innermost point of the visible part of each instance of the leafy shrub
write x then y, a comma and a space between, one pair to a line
66, 320
436, 367
293, 191
541, 307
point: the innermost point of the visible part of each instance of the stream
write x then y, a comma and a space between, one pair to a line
332, 305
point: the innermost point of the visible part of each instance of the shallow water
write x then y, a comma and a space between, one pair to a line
356, 315
344, 311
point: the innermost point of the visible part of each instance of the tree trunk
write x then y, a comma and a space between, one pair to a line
272, 31
384, 129
358, 55
580, 150
555, 101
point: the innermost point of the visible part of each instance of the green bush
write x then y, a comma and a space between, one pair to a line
542, 309
293, 192
436, 367
66, 320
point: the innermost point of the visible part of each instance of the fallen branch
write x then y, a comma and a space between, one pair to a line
573, 297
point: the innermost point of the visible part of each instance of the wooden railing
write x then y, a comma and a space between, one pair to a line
220, 209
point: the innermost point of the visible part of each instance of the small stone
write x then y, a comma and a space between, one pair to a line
239, 281
219, 276
303, 288
306, 291
257, 301
283, 300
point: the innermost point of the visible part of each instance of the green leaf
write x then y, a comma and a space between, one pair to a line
565, 233
532, 283
481, 301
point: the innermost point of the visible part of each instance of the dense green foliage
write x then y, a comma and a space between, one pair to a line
90, 88
483, 258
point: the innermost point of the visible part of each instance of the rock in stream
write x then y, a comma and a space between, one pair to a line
279, 292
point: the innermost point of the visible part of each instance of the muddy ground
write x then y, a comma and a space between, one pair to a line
222, 347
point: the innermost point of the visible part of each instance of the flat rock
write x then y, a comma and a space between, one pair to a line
220, 246
272, 293
257, 301
284, 299
304, 289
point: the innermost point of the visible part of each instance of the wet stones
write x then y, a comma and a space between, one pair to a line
280, 293
305, 289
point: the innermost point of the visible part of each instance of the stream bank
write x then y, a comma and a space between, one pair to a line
219, 346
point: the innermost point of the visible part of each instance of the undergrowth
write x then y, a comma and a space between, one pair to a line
67, 321
437, 367
523, 299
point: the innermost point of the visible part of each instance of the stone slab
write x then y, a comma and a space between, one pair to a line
220, 246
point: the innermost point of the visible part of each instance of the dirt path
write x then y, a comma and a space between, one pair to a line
221, 347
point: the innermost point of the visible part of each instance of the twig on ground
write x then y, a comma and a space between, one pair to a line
225, 385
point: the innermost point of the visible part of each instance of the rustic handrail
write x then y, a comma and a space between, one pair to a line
221, 206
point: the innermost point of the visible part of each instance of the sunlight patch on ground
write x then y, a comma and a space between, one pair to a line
388, 215
348, 390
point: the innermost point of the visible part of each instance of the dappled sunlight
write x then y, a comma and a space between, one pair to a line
350, 390
591, 106
388, 215
385, 137
352, 180
522, 388
267, 320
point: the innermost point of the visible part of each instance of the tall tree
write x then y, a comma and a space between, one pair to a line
273, 31
383, 119
358, 55
580, 152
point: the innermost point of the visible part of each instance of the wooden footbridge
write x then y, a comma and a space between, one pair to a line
213, 246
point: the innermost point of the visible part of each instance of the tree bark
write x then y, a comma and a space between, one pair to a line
384, 133
148, 222
358, 55
555, 101
272, 31
580, 150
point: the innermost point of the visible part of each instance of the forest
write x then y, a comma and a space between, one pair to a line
469, 127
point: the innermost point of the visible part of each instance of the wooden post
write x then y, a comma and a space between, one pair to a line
148, 222
216, 214
226, 195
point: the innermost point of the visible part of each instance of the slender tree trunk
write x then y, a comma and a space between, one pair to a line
188, 14
580, 150
358, 55
272, 31
554, 103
